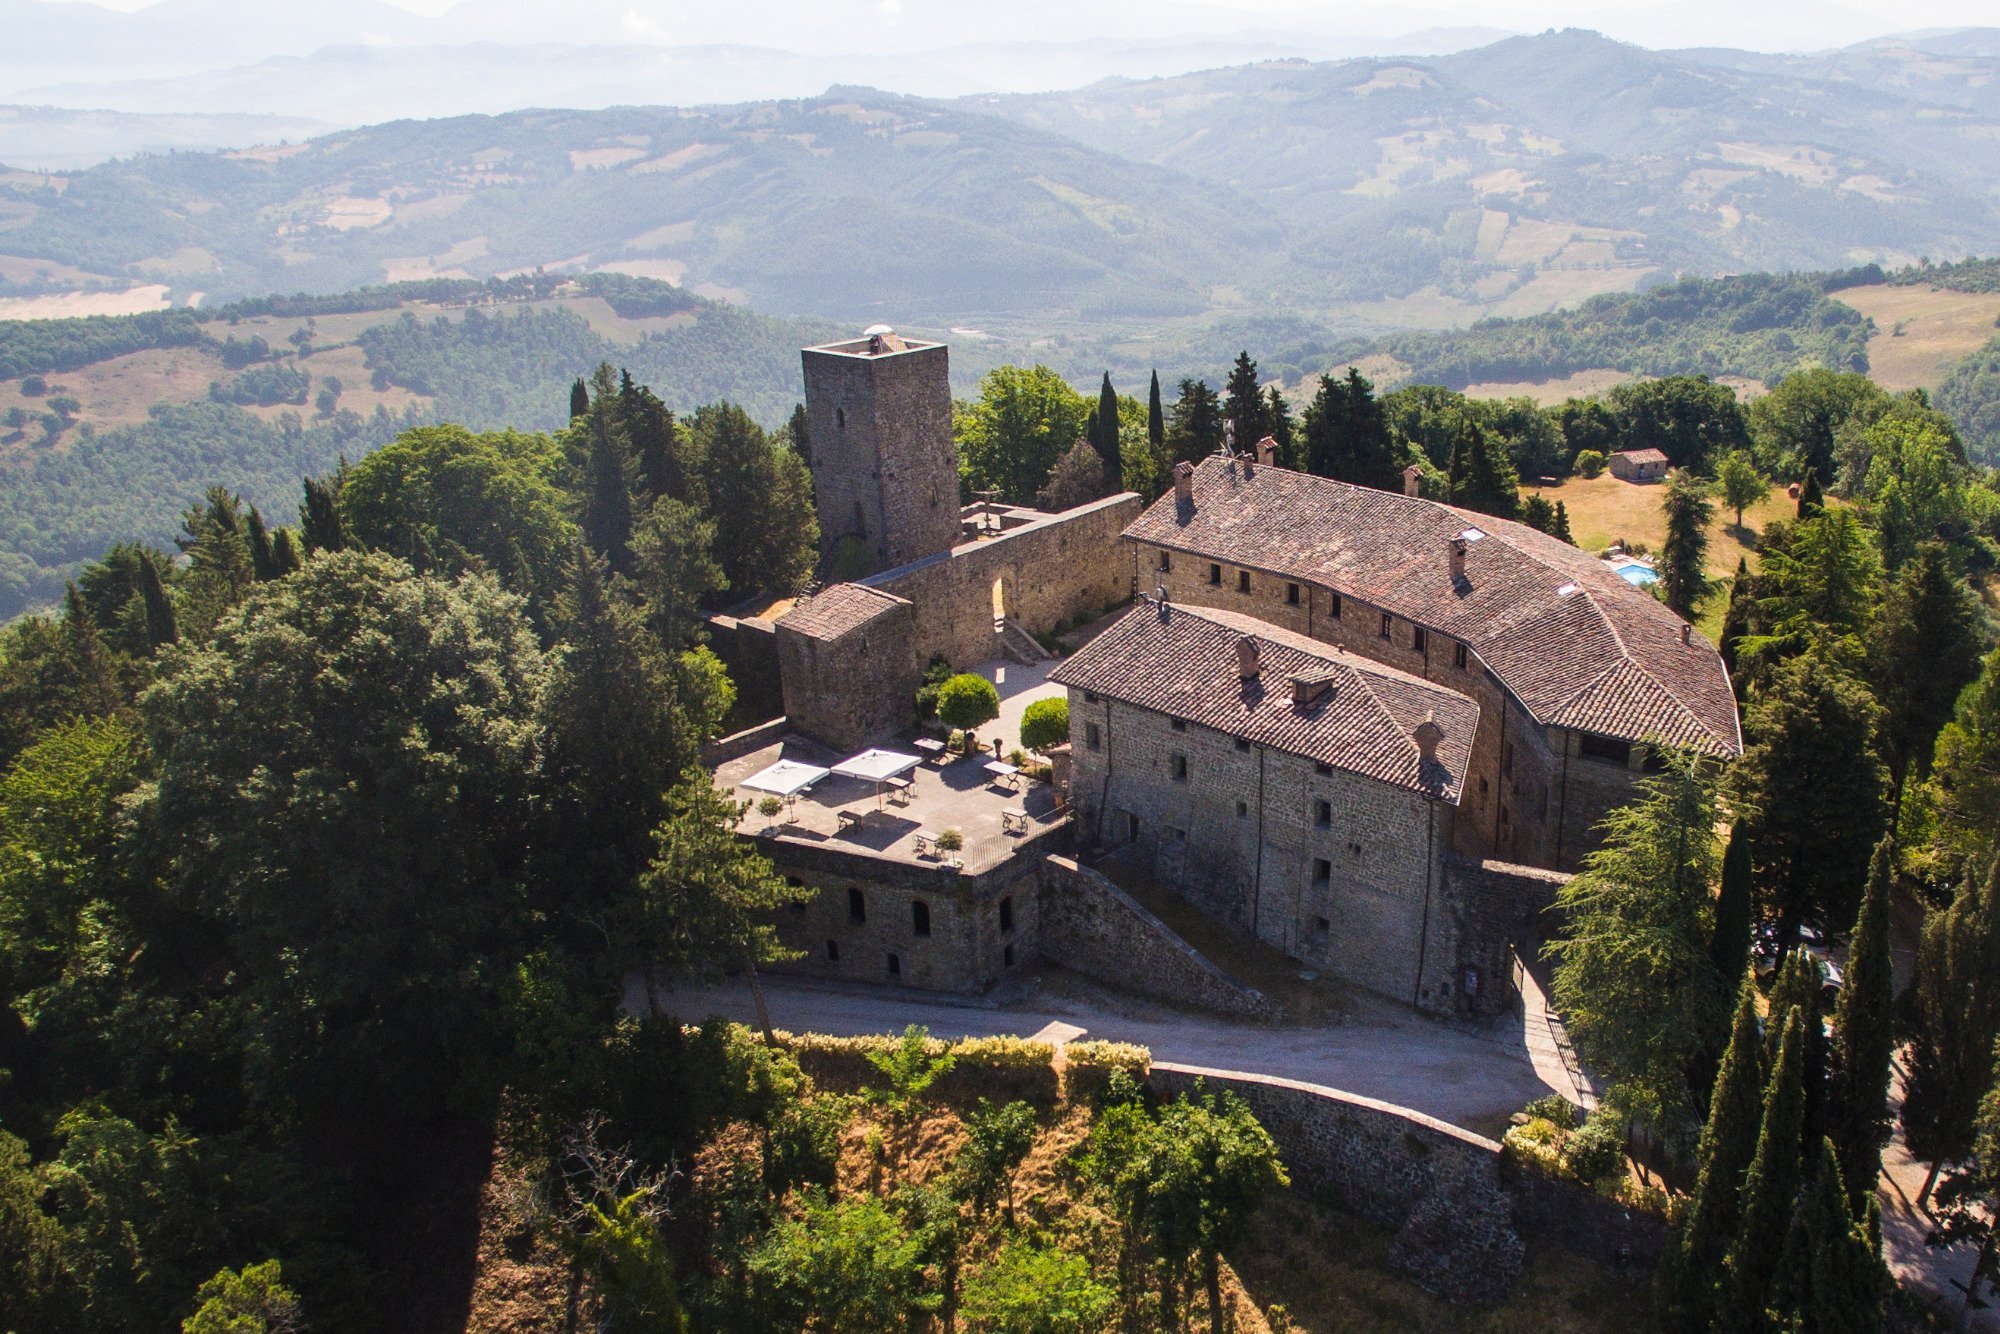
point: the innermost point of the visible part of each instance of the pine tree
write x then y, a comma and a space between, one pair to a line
1769, 1190
1683, 579
1479, 474
799, 427
1954, 1018
1728, 1145
579, 399
1346, 434
1245, 407
263, 561
1811, 500
1196, 430
1923, 650
320, 526
1537, 513
1104, 438
91, 684
1864, 1035
1729, 942
653, 440
160, 627
1156, 417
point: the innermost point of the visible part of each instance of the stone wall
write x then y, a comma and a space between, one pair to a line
1486, 909
748, 647
1438, 1185
884, 465
738, 744
853, 689
981, 927
1089, 924
1062, 568
1511, 805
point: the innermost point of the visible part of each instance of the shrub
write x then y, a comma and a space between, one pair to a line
1045, 723
1596, 1148
951, 840
1553, 1108
968, 701
1007, 1068
769, 805
1088, 1067
1537, 1144
935, 676
1589, 463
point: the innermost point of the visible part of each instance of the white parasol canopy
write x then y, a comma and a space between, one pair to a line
786, 778
877, 766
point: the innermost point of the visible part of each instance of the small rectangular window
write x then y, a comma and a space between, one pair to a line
1178, 767
1092, 737
1292, 594
1605, 748
833, 951
1419, 638
1323, 814
1322, 870
1090, 697
1322, 768
1215, 574
1007, 957
1178, 724
1180, 835
1322, 925
1507, 760
1007, 913
1243, 744
1336, 606
1243, 581
1458, 656
1242, 810
857, 906
1386, 624
1166, 562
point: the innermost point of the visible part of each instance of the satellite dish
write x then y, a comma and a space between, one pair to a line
876, 330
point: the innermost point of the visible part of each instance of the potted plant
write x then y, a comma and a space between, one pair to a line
768, 806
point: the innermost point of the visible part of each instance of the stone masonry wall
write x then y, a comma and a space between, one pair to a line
1485, 909
884, 463
1438, 1185
1089, 924
1509, 808
1239, 836
1062, 568
854, 689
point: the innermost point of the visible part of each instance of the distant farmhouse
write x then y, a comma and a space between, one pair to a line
1372, 731
1639, 465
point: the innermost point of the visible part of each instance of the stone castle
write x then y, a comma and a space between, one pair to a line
1373, 731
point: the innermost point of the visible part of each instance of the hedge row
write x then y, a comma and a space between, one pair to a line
1001, 1068
1087, 1067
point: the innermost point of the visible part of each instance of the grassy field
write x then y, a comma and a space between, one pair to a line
1604, 510
1920, 329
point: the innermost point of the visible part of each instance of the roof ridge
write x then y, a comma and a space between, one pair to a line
1383, 710
1673, 695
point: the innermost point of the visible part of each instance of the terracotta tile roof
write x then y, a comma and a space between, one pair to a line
837, 610
1575, 643
1641, 455
1183, 662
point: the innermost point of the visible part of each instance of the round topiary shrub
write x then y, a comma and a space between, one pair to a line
968, 701
1045, 724
1589, 463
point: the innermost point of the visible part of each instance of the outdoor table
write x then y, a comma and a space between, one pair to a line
925, 842
1014, 822
899, 790
932, 748
1004, 772
848, 819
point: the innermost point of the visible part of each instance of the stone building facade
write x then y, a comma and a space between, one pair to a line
1573, 670
884, 465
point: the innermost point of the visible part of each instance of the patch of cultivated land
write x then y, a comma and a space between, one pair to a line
73, 305
1581, 384
1921, 329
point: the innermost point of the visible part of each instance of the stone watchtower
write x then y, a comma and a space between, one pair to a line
884, 465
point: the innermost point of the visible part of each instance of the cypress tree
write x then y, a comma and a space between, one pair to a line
92, 685
160, 626
1246, 403
1683, 580
1736, 621
1728, 1145
1798, 987
1729, 942
799, 427
1560, 528
1864, 1035
1280, 422
1104, 438
653, 442
1923, 650
286, 556
263, 563
579, 399
1156, 417
320, 524
1831, 1280
1769, 1189
1954, 1018
607, 496
1811, 500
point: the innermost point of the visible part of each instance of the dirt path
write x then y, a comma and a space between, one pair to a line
1472, 1077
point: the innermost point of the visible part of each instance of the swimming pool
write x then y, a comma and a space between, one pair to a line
1632, 572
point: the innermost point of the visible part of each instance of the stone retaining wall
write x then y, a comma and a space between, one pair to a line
738, 744
1438, 1185
1096, 928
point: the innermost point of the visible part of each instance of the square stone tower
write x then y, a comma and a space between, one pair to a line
884, 465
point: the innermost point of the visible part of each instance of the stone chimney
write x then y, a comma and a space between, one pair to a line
1458, 546
1267, 452
1428, 737
1687, 633
1413, 478
1184, 483
1247, 665
1311, 688
1164, 602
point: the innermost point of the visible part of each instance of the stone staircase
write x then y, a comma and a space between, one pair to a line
1019, 645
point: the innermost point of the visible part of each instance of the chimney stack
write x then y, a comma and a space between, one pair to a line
1458, 545
1247, 665
1164, 602
1687, 633
1428, 736
1184, 483
1267, 452
1310, 688
1413, 477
